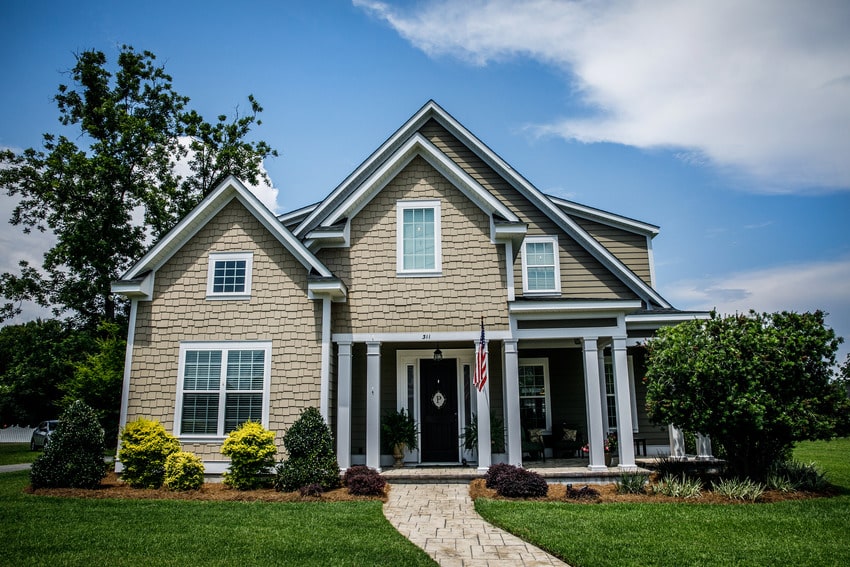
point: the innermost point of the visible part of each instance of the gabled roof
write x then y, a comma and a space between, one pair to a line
605, 217
372, 174
139, 276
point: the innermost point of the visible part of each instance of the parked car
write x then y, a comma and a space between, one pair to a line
41, 435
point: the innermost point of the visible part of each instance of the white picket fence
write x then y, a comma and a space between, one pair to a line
15, 434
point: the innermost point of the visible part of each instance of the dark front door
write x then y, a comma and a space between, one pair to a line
438, 410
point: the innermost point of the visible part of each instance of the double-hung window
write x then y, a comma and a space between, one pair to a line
418, 239
534, 399
222, 385
540, 267
229, 275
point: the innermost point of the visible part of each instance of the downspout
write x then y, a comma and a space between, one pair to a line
325, 385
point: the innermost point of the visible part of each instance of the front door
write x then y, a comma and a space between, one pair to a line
438, 411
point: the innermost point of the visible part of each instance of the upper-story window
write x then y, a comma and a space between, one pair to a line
229, 275
540, 265
418, 238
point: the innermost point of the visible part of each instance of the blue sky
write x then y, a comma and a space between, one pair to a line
727, 126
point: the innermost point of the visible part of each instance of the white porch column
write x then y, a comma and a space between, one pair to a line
704, 447
594, 405
483, 402
373, 405
325, 385
623, 396
513, 426
343, 406
677, 442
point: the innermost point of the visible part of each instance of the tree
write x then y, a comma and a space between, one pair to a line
755, 383
36, 359
98, 378
107, 198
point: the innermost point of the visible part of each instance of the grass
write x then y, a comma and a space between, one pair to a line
803, 532
38, 530
16, 453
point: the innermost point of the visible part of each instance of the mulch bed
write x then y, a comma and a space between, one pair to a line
608, 494
113, 487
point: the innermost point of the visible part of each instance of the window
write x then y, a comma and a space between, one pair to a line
229, 275
610, 396
540, 267
222, 385
534, 399
418, 238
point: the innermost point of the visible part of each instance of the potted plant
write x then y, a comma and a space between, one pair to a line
469, 436
399, 432
610, 448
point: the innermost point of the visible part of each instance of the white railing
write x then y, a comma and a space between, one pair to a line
15, 434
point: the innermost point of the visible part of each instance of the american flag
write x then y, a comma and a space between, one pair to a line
480, 376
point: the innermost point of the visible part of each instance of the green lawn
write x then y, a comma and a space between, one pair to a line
811, 532
15, 453
38, 530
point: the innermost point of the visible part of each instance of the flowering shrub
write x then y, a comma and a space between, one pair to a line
251, 450
495, 473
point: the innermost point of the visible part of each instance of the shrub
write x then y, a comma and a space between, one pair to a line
145, 444
800, 476
251, 450
737, 489
584, 493
314, 489
364, 481
74, 456
678, 487
495, 473
311, 454
183, 471
632, 483
521, 483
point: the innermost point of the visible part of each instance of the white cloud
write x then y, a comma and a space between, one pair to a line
760, 88
801, 287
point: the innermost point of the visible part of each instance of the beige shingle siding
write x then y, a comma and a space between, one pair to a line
278, 311
582, 276
630, 248
472, 283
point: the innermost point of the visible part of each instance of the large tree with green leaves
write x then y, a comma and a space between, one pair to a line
110, 189
755, 383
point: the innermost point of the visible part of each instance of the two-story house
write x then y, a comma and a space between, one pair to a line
373, 300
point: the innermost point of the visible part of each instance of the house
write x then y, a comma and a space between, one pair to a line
377, 298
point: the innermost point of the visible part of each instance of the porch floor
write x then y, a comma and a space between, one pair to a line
553, 470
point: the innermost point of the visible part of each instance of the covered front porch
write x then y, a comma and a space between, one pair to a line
560, 382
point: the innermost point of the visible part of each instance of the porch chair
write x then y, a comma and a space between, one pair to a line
532, 443
567, 440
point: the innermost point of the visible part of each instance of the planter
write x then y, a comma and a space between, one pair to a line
398, 455
609, 459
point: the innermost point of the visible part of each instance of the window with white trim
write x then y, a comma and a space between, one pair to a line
541, 272
222, 385
610, 394
418, 238
534, 398
229, 275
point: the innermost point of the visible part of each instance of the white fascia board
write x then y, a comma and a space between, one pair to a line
332, 288
418, 145
547, 206
413, 124
605, 217
554, 308
229, 189
653, 321
139, 289
424, 336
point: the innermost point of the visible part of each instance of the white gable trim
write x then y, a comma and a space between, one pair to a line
604, 217
231, 188
417, 146
380, 157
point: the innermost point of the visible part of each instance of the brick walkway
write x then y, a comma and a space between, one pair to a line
441, 519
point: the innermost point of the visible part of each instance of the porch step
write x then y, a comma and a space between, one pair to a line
552, 472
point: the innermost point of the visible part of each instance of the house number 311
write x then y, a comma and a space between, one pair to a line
426, 337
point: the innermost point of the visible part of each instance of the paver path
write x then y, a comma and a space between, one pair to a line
441, 519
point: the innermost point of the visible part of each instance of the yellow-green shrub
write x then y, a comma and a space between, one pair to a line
145, 444
183, 471
251, 450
